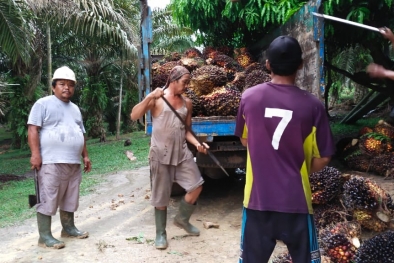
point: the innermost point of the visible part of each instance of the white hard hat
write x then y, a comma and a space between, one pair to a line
64, 73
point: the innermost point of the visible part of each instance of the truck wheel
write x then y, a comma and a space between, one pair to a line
176, 189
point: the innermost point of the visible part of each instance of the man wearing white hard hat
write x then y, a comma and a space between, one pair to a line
57, 144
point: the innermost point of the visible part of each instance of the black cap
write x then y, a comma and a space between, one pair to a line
284, 55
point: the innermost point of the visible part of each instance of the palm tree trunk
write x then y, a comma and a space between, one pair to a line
49, 54
120, 99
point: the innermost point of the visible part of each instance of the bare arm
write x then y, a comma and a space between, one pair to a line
33, 138
377, 71
147, 104
319, 163
388, 34
86, 161
244, 142
189, 136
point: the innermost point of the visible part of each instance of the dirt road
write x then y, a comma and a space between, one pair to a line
120, 221
119, 218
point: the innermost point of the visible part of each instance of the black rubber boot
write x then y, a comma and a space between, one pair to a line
44, 229
161, 234
182, 218
69, 229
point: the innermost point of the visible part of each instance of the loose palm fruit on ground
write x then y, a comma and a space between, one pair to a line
357, 194
282, 258
325, 185
369, 221
339, 248
374, 143
206, 78
327, 214
378, 249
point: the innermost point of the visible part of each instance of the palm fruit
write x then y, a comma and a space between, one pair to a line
338, 247
382, 163
254, 66
282, 258
192, 53
364, 130
256, 77
346, 146
378, 249
350, 229
374, 143
327, 214
369, 221
358, 195
198, 110
205, 78
239, 80
357, 161
243, 57
173, 56
223, 101
161, 73
384, 128
227, 63
226, 50
192, 63
207, 51
325, 185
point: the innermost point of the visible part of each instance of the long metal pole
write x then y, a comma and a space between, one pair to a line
347, 22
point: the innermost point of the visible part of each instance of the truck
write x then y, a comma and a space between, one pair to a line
218, 131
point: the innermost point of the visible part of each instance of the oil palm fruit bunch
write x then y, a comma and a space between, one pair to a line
368, 221
198, 110
243, 57
358, 161
206, 78
239, 80
161, 73
378, 249
255, 66
222, 101
374, 143
192, 53
327, 214
384, 128
325, 185
282, 258
256, 77
192, 63
358, 194
226, 50
346, 146
364, 130
173, 56
382, 163
207, 51
227, 63
338, 247
350, 229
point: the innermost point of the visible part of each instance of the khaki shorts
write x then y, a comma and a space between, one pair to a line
186, 174
59, 187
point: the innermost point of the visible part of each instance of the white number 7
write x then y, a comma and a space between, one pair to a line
286, 116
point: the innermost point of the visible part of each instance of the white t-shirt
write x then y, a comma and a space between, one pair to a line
61, 133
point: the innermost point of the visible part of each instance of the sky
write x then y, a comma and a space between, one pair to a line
158, 3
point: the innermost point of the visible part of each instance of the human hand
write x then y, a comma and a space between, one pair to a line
376, 71
36, 162
387, 33
87, 164
157, 93
202, 148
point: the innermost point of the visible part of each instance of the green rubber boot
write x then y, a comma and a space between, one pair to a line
182, 218
44, 229
161, 234
69, 229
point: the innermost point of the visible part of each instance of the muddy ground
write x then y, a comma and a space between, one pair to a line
120, 221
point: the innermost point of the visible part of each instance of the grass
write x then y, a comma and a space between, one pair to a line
106, 158
346, 129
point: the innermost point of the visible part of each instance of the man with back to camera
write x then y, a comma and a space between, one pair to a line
57, 143
288, 137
